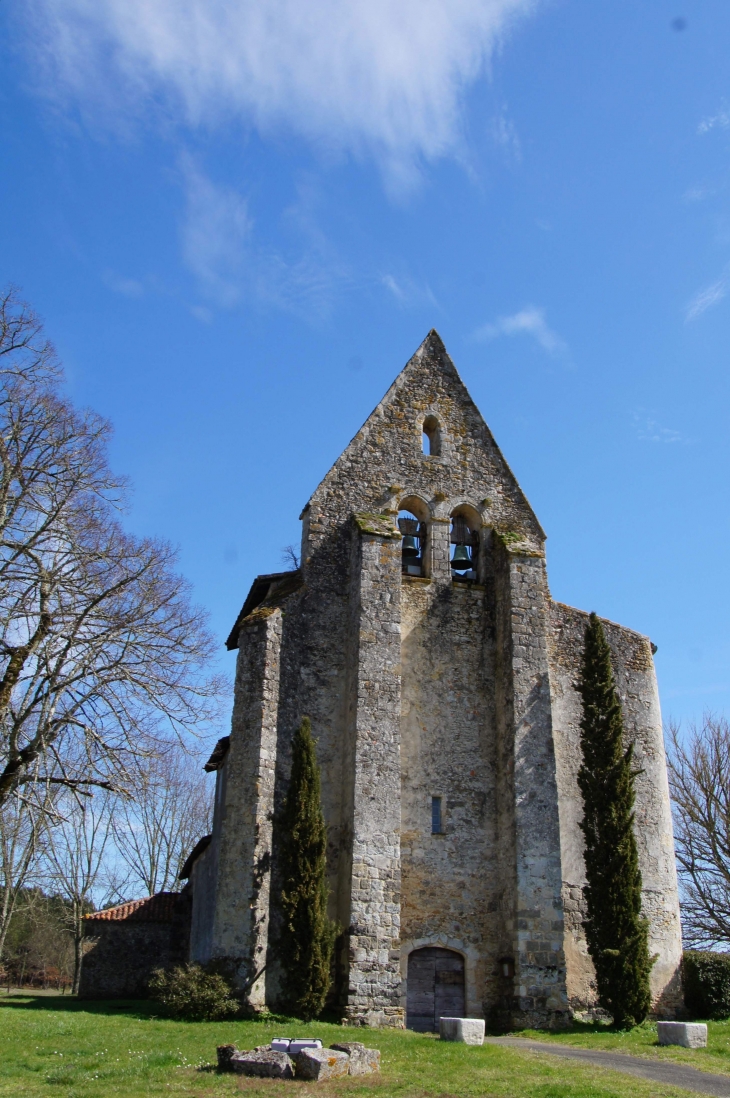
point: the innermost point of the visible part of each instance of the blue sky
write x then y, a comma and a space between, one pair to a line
240, 219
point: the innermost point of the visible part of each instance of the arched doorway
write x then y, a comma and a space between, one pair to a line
435, 988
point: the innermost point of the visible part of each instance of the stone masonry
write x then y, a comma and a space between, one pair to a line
446, 719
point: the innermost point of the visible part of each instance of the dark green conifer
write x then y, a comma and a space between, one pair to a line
616, 932
307, 935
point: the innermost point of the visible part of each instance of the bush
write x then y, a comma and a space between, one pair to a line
192, 993
706, 984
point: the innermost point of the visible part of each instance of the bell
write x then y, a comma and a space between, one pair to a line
461, 559
410, 546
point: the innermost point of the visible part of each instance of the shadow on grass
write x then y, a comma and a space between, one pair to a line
577, 1027
131, 1008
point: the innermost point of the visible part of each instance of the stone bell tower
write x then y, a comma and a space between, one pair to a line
441, 694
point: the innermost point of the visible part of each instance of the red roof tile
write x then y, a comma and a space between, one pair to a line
159, 908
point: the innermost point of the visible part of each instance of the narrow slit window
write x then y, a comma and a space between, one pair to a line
436, 821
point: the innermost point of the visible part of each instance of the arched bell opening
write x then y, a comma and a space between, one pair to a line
412, 524
465, 526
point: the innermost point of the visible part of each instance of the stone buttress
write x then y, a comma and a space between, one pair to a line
444, 711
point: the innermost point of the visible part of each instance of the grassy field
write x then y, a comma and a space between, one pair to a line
642, 1041
57, 1046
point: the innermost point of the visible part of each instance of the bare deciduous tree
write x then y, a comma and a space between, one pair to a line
75, 861
101, 650
290, 556
156, 828
24, 818
699, 780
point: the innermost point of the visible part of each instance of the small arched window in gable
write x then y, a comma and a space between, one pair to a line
431, 436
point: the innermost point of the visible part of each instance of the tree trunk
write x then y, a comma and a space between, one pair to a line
78, 953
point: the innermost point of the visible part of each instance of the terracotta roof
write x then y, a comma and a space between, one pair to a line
159, 908
200, 846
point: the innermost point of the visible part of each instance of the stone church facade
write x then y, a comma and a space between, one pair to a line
444, 706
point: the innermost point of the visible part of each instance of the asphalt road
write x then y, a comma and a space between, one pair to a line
657, 1071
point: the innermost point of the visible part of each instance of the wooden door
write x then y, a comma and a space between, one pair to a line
435, 988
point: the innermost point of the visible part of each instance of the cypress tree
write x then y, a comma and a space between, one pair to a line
616, 932
307, 935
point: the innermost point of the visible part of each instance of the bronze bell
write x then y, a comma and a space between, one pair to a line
410, 546
461, 559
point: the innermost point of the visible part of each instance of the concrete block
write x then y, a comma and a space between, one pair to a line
686, 1034
468, 1030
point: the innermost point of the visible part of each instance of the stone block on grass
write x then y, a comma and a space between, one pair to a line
264, 1064
363, 1061
686, 1034
470, 1031
225, 1055
321, 1063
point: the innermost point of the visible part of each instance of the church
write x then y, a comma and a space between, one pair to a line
420, 637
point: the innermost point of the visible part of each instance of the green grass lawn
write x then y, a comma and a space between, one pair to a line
58, 1046
642, 1041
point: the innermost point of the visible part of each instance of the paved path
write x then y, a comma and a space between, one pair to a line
659, 1071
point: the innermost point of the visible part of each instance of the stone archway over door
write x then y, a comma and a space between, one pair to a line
435, 988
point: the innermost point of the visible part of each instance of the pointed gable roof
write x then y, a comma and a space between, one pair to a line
386, 452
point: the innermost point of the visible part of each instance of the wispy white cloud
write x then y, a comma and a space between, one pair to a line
407, 292
127, 287
370, 76
649, 429
707, 298
505, 135
214, 234
721, 120
528, 321
699, 193
220, 248
201, 313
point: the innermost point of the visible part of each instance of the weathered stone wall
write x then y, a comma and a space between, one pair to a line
451, 884
375, 871
204, 882
384, 463
530, 831
120, 959
241, 921
314, 683
633, 667
204, 876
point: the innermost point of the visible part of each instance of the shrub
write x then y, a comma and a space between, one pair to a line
190, 992
706, 983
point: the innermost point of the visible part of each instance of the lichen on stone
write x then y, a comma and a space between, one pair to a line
380, 526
